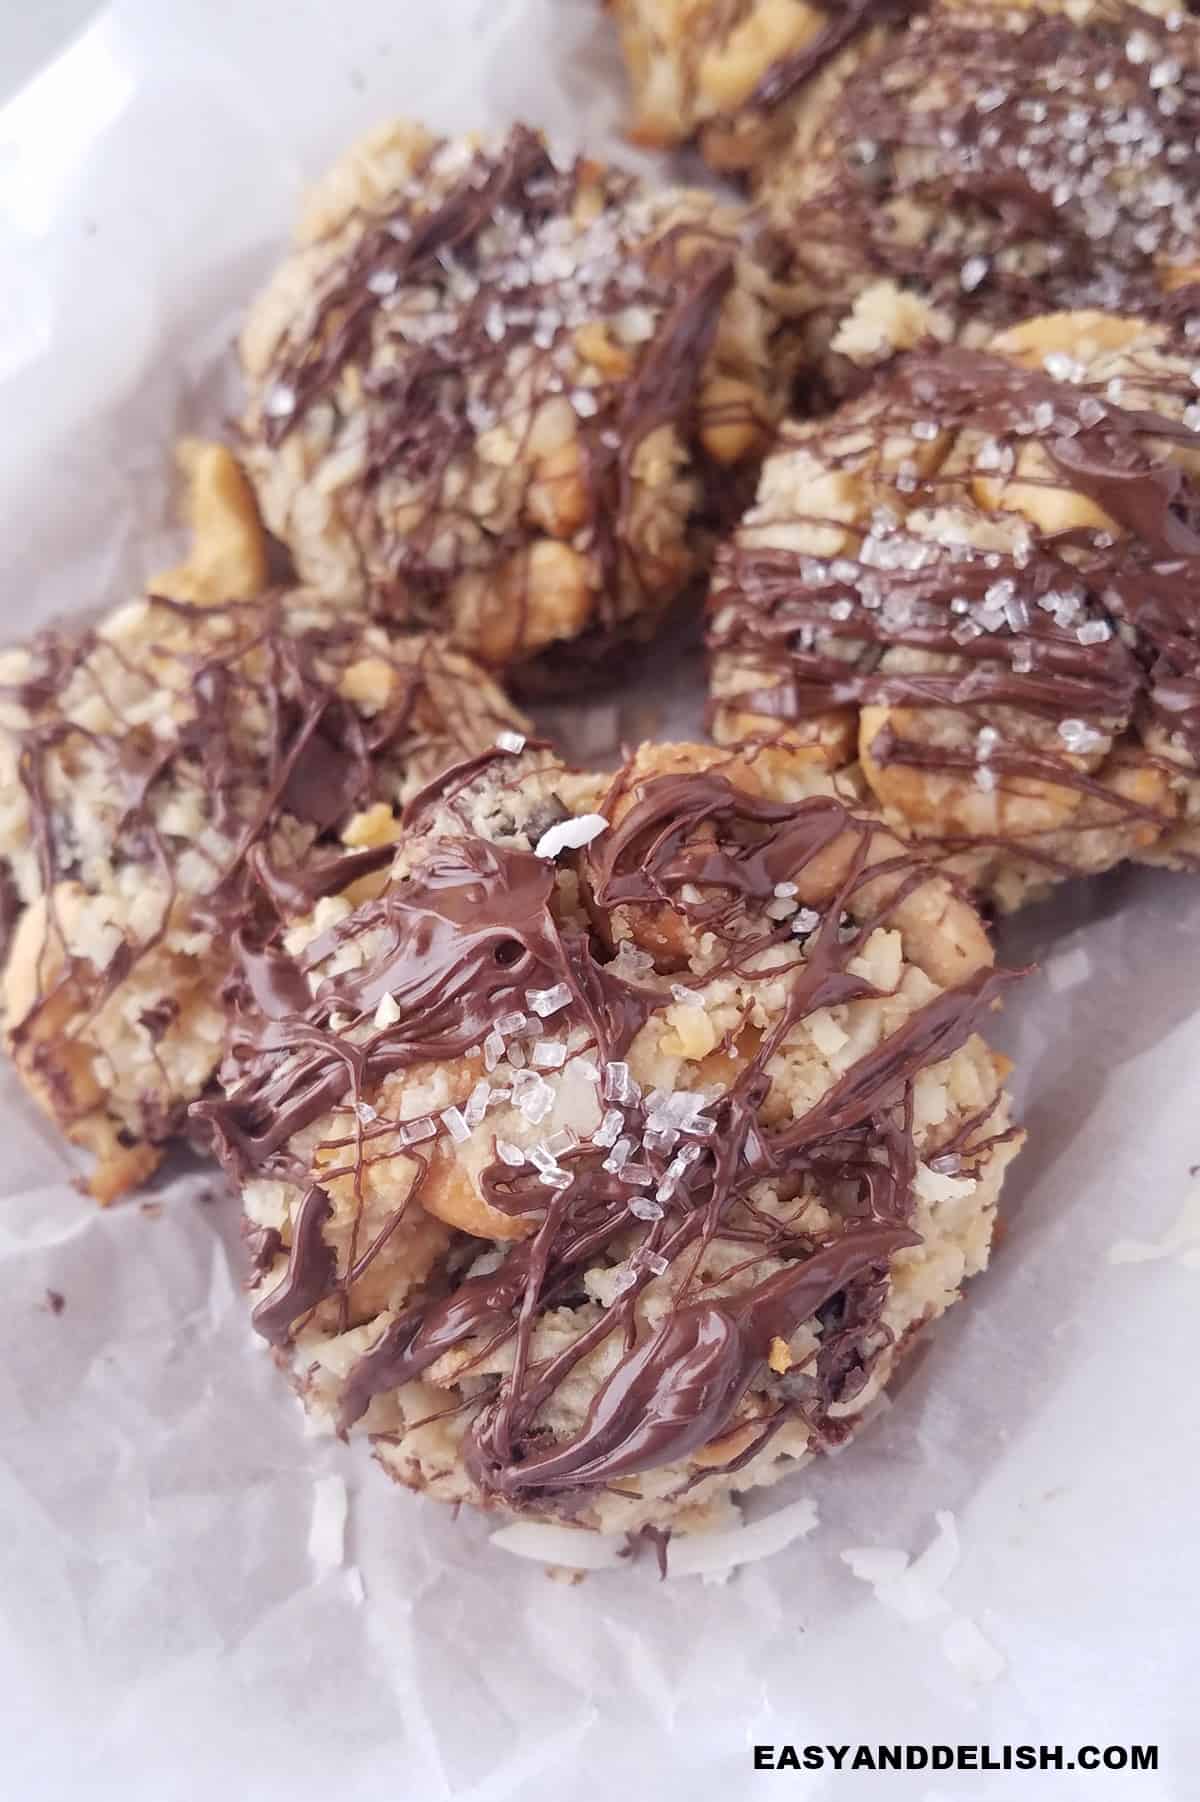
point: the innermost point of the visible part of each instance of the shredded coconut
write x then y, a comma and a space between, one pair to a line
388, 1012
571, 835
910, 1589
1180, 1242
327, 1528
971, 1652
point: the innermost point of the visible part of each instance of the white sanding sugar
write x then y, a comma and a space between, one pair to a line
477, 1102
455, 1125
327, 1528
619, 1085
413, 1132
513, 742
571, 835
533, 1096
545, 1002
609, 1129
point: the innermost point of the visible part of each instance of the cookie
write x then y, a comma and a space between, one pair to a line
512, 393
992, 163
978, 581
603, 1166
731, 74
170, 780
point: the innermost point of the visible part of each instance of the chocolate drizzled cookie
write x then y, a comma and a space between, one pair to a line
980, 579
731, 74
509, 394
990, 163
174, 780
602, 1168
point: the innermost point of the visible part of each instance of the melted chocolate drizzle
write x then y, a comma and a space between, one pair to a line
457, 943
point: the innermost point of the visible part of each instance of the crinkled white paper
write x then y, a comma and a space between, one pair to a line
164, 1633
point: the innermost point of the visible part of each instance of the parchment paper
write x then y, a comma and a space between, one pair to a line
164, 1632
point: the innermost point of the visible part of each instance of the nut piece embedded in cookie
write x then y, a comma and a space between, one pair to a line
981, 578
611, 1181
733, 75
511, 392
174, 781
990, 162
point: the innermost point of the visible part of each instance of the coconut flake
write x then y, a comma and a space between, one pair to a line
1181, 1242
876, 1564
971, 1652
327, 1527
571, 835
1068, 969
573, 1547
911, 1590
388, 1011
705, 1554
